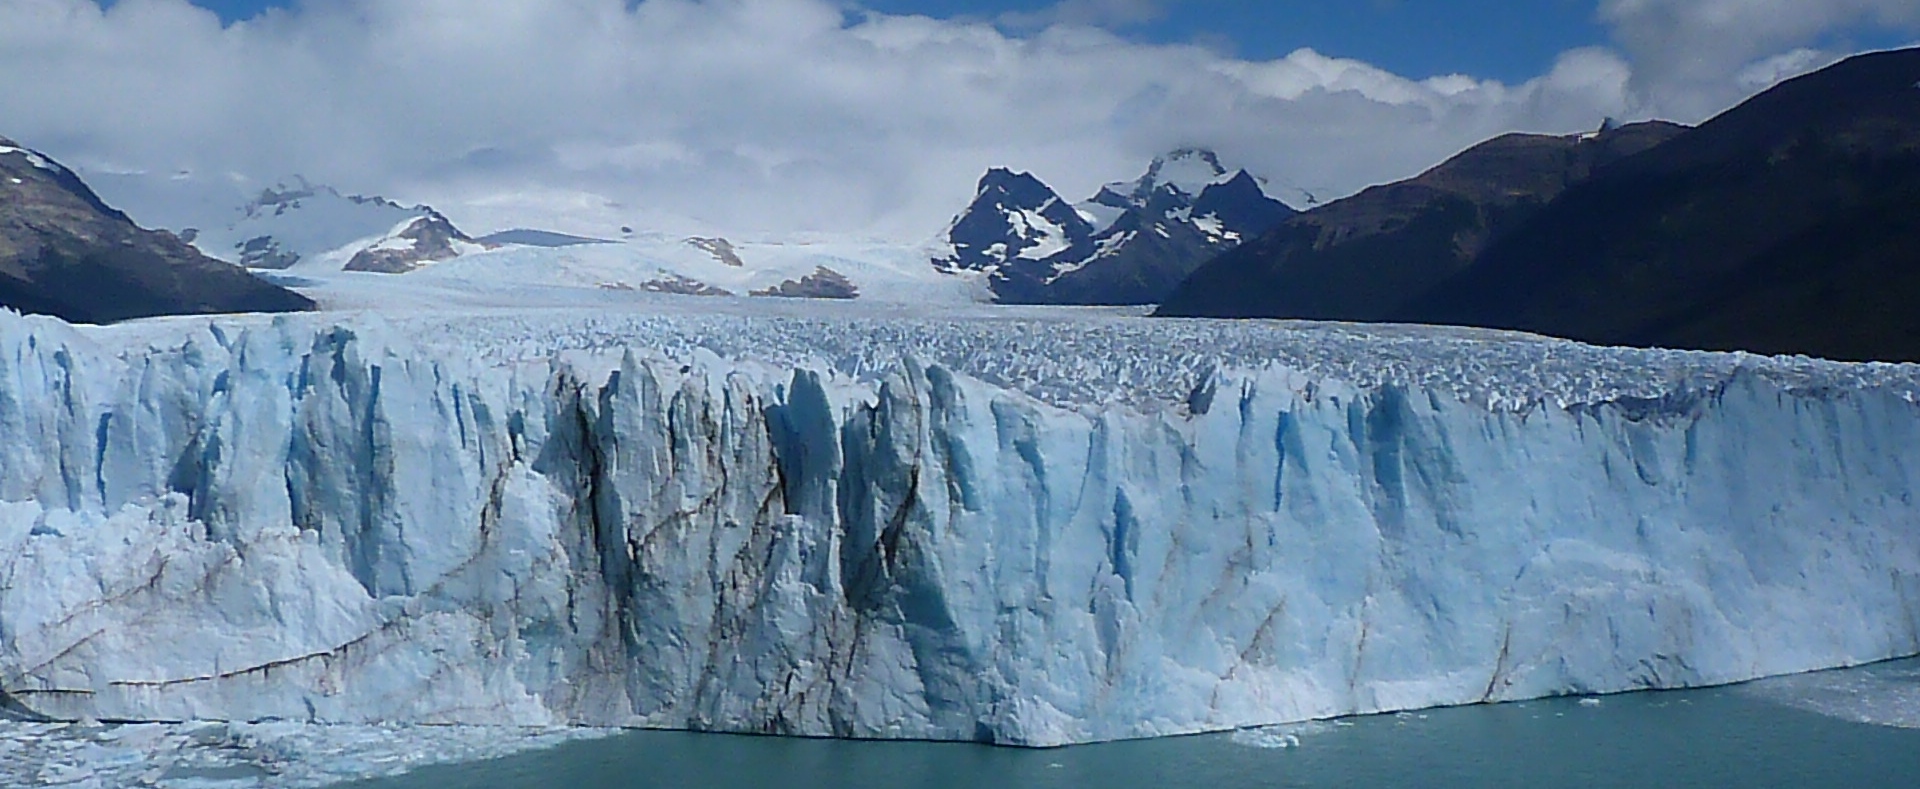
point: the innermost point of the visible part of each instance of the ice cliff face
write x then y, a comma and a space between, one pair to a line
301, 520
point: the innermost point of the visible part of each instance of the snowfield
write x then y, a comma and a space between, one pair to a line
880, 519
619, 275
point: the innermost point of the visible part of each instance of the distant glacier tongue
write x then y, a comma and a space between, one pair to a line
332, 518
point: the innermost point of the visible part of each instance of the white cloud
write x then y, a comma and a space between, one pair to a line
1696, 57
776, 114
1768, 72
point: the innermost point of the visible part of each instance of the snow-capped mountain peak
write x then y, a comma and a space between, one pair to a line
1189, 170
1032, 247
283, 197
415, 243
1014, 190
293, 222
1176, 183
1014, 216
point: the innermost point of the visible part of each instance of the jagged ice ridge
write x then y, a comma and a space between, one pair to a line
869, 525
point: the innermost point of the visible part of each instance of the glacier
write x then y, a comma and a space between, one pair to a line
1027, 528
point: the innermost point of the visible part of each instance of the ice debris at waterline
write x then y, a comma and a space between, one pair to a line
332, 519
1887, 694
281, 755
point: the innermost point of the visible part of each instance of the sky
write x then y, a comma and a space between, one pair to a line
858, 117
1414, 38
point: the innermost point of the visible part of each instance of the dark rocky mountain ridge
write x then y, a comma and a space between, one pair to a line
1364, 257
1789, 224
64, 252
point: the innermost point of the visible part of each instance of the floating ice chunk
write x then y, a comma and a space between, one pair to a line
1281, 737
1883, 695
248, 756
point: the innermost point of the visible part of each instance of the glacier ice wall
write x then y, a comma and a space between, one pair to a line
299, 520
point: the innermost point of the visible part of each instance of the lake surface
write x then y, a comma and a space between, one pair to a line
1857, 728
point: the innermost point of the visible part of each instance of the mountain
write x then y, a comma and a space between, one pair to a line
1786, 225
1363, 258
1789, 224
1014, 217
64, 252
1130, 244
291, 223
415, 243
287, 224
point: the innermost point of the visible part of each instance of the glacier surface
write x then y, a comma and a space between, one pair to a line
1040, 528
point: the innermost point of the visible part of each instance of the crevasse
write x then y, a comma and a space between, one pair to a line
312, 521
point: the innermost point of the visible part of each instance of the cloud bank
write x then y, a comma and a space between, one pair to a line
1684, 51
787, 115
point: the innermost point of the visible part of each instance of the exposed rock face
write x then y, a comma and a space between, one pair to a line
265, 252
721, 250
682, 286
1786, 225
426, 240
1365, 257
1133, 243
64, 252
823, 283
300, 521
1783, 226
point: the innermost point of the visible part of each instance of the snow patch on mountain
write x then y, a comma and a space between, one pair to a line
1215, 229
1101, 214
1048, 238
33, 157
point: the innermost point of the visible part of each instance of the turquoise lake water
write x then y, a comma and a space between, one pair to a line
1857, 728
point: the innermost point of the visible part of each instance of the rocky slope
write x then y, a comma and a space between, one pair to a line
1784, 226
1364, 257
64, 252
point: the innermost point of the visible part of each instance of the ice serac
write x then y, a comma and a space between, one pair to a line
300, 520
